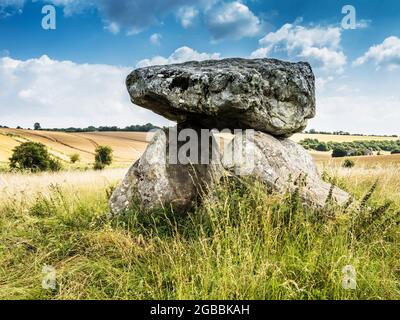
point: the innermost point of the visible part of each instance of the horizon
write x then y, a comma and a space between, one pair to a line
74, 75
107, 128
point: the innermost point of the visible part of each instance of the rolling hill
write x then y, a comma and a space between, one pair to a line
128, 146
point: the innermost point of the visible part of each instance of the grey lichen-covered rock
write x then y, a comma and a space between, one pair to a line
154, 182
281, 164
264, 94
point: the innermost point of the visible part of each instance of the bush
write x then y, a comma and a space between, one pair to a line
33, 156
75, 158
348, 163
339, 152
30, 156
55, 165
103, 157
322, 146
98, 166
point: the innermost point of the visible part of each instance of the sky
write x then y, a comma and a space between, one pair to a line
74, 75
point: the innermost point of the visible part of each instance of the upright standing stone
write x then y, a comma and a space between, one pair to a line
157, 180
282, 165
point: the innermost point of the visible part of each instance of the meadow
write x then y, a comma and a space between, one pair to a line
240, 244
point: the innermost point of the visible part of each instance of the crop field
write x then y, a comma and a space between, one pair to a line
128, 146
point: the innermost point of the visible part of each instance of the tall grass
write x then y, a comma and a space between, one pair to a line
242, 243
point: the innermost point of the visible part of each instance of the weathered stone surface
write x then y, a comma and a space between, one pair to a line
279, 163
154, 182
264, 94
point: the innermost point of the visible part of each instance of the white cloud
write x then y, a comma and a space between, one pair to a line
187, 15
376, 114
321, 82
260, 53
180, 55
319, 45
113, 28
155, 39
63, 94
10, 7
386, 54
232, 20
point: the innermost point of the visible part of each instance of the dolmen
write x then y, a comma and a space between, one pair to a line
262, 102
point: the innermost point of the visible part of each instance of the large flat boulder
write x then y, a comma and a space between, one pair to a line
268, 95
282, 165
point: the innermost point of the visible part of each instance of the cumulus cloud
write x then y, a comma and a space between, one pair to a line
319, 45
260, 53
386, 54
63, 94
180, 55
232, 20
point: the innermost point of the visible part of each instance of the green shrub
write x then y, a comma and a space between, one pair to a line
74, 158
322, 146
98, 166
33, 156
30, 156
348, 163
103, 157
339, 152
55, 165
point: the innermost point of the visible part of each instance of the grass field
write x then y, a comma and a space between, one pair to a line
242, 244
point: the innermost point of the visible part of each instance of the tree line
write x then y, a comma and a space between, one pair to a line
345, 133
133, 128
353, 148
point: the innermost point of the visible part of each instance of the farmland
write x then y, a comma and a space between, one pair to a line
128, 146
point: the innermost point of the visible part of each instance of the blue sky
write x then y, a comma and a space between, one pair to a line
74, 75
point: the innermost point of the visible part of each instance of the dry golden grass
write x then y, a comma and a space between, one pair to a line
27, 186
385, 160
